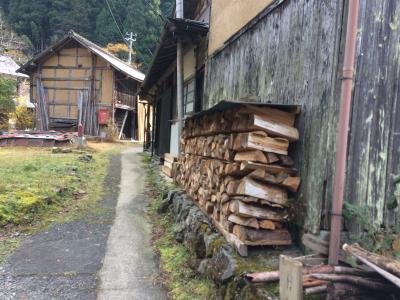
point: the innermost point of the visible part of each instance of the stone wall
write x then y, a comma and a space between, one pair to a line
214, 258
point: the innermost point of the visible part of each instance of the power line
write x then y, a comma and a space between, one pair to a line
115, 21
157, 13
114, 7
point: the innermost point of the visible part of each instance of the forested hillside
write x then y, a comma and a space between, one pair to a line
45, 21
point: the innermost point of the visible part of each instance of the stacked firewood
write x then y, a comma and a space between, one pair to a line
235, 165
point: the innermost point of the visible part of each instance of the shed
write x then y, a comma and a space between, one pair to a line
75, 81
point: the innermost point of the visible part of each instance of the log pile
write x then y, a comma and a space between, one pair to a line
337, 281
235, 166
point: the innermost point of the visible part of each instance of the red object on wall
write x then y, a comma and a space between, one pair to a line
104, 116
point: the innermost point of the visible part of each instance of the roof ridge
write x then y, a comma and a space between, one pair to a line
117, 63
76, 35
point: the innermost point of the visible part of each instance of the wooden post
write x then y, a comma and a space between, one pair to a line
291, 278
123, 125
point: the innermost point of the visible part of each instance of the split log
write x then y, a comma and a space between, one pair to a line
259, 140
167, 171
245, 199
265, 176
259, 122
273, 114
249, 222
268, 224
257, 156
249, 166
224, 197
267, 192
170, 158
264, 237
245, 210
291, 183
233, 169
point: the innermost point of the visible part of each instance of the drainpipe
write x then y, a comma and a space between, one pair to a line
342, 133
179, 73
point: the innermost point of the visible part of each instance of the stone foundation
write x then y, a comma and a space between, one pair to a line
214, 257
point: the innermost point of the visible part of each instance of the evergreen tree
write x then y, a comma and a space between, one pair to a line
46, 21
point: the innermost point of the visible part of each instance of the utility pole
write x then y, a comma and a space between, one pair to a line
131, 38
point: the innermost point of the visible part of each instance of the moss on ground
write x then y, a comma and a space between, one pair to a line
39, 188
7, 247
182, 282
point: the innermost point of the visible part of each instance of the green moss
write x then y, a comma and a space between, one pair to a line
175, 260
214, 245
37, 184
204, 228
38, 189
8, 246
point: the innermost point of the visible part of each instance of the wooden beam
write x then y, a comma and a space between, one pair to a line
66, 79
123, 125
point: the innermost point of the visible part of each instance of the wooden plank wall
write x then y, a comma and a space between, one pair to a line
293, 56
374, 157
67, 72
289, 57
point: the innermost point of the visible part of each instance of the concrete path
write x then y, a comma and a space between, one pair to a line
129, 266
66, 261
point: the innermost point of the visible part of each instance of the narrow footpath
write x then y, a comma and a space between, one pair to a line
96, 257
129, 267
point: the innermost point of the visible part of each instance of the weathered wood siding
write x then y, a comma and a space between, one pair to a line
67, 72
374, 156
290, 57
293, 56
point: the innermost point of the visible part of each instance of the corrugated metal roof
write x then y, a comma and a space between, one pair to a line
111, 59
9, 66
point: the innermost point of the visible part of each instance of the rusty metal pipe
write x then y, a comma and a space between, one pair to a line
342, 132
179, 75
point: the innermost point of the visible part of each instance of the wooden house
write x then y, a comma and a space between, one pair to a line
291, 52
75, 81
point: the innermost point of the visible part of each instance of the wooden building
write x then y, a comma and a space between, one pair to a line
160, 88
291, 52
75, 81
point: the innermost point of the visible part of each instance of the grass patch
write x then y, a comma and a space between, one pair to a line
176, 274
39, 188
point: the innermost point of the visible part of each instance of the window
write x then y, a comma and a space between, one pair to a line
189, 96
